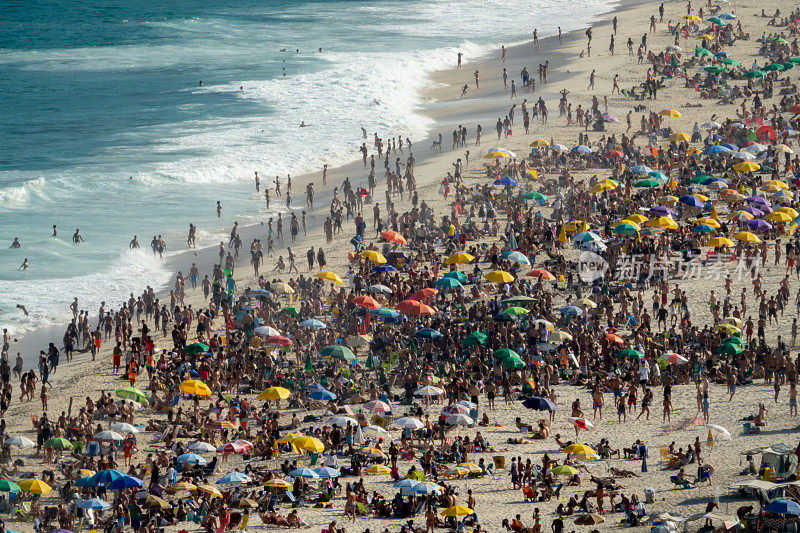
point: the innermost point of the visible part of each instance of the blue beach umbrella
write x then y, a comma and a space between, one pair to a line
326, 472
716, 149
313, 323
690, 200
104, 477
582, 149
125, 482
322, 395
94, 504
641, 169
384, 312
539, 403
384, 268
304, 472
428, 333
506, 181
517, 257
783, 507
571, 310
191, 458
234, 477
703, 228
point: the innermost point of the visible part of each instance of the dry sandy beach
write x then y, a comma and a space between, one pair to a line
496, 500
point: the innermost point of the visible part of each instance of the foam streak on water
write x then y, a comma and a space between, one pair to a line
102, 91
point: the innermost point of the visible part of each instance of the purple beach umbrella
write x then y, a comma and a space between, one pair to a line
758, 223
663, 210
753, 211
757, 200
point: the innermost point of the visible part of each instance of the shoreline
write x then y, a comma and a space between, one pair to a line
440, 108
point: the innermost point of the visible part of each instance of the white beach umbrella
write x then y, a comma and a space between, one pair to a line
341, 421
408, 422
756, 148
560, 148
375, 431
109, 435
202, 447
719, 432
123, 427
744, 156
22, 442
428, 390
710, 125
459, 420
380, 288
267, 331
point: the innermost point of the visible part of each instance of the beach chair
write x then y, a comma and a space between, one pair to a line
493, 477
679, 482
665, 455
314, 459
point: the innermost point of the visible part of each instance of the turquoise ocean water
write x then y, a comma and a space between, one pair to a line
95, 93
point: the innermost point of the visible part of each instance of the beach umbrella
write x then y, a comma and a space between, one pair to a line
630, 352
680, 136
375, 431
313, 323
641, 169
581, 149
499, 276
517, 257
584, 236
409, 423
202, 447
59, 443
513, 363
326, 472
125, 482
703, 228
373, 256
95, 504
385, 312
426, 488
754, 74
535, 196
154, 502
278, 484
460, 257
516, 311
35, 486
663, 211
245, 503
459, 420
541, 273
267, 331
191, 458
756, 212
280, 339
559, 148
209, 489
384, 268
539, 143
571, 310
131, 393
579, 449
610, 118
322, 395
415, 308
778, 216
309, 444
539, 403
647, 184
506, 181
124, 427
196, 347
377, 469
559, 336
428, 333
669, 113
458, 510
626, 229
343, 421
274, 394
720, 433
375, 406
690, 200
505, 353
21, 442
729, 61
614, 338
712, 68
711, 125
108, 435
407, 483
783, 507
675, 359
581, 423
728, 349
329, 276
662, 222
337, 351
380, 288
758, 224
194, 386
565, 470
305, 473
393, 236
455, 274
656, 175
6, 485
585, 302
448, 283
746, 236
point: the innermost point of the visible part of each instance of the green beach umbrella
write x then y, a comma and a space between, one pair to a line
519, 300
754, 74
516, 311
513, 362
196, 347
460, 276
649, 184
448, 282
474, 338
630, 352
774, 66
700, 51
734, 340
698, 179
728, 349
625, 229
291, 311
787, 66
795, 60
782, 40
716, 20
338, 351
131, 393
505, 353
729, 61
59, 442
6, 485
715, 69
535, 196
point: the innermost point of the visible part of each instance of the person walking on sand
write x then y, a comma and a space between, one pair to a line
477, 81
591, 80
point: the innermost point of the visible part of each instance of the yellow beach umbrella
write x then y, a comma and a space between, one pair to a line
734, 197
372, 255
730, 328
458, 510
777, 184
701, 197
708, 221
717, 185
692, 18
626, 221
472, 467
603, 186
278, 484
183, 485
195, 386
576, 225
662, 222
788, 210
35, 486
706, 36
779, 216
585, 302
497, 154
459, 257
559, 336
746, 166
329, 276
637, 218
669, 113
455, 471
719, 242
208, 489
573, 449
274, 393
309, 444
783, 148
282, 287
377, 469
539, 143
499, 276
680, 137
746, 236
668, 199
